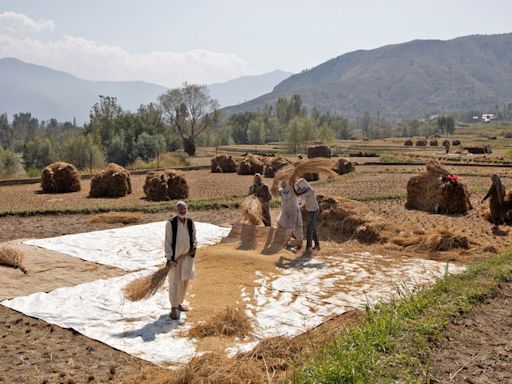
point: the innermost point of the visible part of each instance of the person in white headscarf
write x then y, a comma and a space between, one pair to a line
290, 216
180, 250
307, 194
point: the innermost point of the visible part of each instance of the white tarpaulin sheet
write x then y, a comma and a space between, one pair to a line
130, 248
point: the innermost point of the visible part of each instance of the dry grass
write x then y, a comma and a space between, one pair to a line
232, 321
251, 210
442, 238
116, 218
294, 171
12, 258
145, 287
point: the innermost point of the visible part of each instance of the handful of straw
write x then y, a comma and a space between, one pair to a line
251, 210
294, 171
146, 286
12, 258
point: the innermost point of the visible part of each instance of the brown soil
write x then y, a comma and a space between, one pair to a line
477, 348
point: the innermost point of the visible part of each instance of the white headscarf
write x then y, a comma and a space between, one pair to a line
302, 186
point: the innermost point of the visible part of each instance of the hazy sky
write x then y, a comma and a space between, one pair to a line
168, 42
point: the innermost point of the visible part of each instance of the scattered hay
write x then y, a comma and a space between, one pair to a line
223, 164
251, 210
274, 164
408, 143
421, 143
60, 177
250, 165
116, 218
427, 192
344, 166
12, 258
434, 143
112, 181
301, 168
232, 321
146, 286
166, 185
319, 151
439, 239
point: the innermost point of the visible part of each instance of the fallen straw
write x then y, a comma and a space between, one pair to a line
146, 286
12, 258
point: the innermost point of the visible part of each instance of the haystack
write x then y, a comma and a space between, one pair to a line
427, 192
112, 181
408, 143
12, 258
60, 177
250, 165
223, 164
341, 219
508, 135
165, 185
319, 151
421, 143
344, 166
456, 142
274, 164
446, 143
434, 143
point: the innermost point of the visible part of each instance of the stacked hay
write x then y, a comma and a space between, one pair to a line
427, 192
421, 143
434, 143
250, 165
479, 150
165, 185
60, 177
274, 164
344, 166
223, 164
113, 181
12, 258
446, 143
456, 142
408, 143
319, 151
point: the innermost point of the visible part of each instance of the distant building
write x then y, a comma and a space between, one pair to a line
476, 117
487, 117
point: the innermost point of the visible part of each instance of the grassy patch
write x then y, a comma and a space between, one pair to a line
392, 343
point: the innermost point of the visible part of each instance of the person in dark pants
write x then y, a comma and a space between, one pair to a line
496, 196
261, 191
304, 190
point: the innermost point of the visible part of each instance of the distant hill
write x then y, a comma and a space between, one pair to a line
48, 93
246, 87
407, 79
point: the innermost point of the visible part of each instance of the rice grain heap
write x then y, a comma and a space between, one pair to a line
60, 177
274, 164
165, 185
428, 192
12, 258
112, 181
223, 164
250, 165
344, 166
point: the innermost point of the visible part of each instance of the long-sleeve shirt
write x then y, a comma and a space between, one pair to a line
182, 239
310, 201
261, 191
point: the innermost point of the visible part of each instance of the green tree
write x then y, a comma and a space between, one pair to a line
82, 152
39, 152
190, 111
8, 162
446, 124
102, 120
6, 132
150, 146
256, 132
365, 123
293, 134
326, 134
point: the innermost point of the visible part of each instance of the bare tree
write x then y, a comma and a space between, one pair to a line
189, 110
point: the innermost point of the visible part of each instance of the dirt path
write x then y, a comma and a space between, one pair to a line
478, 347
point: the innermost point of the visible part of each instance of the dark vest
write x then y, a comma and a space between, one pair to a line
174, 226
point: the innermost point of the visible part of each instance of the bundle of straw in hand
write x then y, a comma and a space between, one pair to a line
251, 210
12, 258
146, 286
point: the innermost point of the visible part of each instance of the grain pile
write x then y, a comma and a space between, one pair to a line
428, 192
60, 177
223, 164
112, 181
166, 185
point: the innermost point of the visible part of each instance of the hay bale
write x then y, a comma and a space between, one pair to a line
250, 165
344, 166
165, 185
11, 257
274, 164
427, 192
116, 218
319, 151
251, 210
232, 321
434, 143
223, 164
112, 181
456, 142
421, 143
482, 150
408, 143
492, 137
446, 143
60, 177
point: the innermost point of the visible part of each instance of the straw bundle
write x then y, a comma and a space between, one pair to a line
456, 142
12, 258
294, 171
60, 177
343, 166
112, 181
319, 151
251, 210
274, 164
434, 143
250, 165
146, 286
230, 322
166, 185
421, 143
439, 239
223, 164
408, 143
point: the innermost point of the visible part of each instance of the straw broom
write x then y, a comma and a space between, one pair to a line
293, 172
251, 210
146, 286
12, 258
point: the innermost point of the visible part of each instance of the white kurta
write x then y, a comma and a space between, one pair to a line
290, 216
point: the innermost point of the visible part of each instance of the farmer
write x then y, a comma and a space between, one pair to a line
304, 190
180, 249
497, 201
290, 217
261, 191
